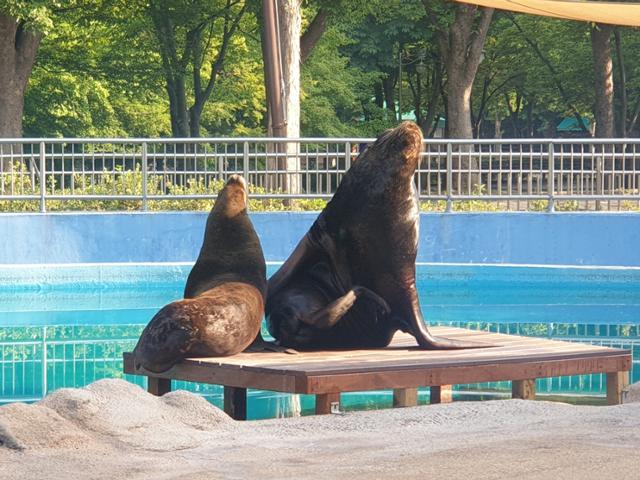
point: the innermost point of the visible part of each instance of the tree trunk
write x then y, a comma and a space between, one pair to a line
497, 127
290, 22
289, 25
290, 13
178, 107
459, 108
18, 49
431, 125
622, 86
461, 49
194, 121
603, 75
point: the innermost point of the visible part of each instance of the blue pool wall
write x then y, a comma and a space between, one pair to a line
580, 239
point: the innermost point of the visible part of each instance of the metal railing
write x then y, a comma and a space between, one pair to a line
539, 174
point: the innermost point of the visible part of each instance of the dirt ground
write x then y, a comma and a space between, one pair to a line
115, 430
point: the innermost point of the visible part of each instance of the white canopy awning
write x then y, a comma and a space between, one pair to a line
616, 13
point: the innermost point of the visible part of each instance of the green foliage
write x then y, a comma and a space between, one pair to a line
36, 14
331, 103
129, 183
100, 72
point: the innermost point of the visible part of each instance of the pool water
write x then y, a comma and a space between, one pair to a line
67, 326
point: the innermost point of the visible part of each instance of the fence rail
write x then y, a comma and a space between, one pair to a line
510, 174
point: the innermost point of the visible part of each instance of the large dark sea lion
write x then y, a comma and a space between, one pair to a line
224, 295
351, 281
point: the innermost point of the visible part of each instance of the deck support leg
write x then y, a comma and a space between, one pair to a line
158, 386
523, 389
441, 394
616, 383
235, 402
405, 397
324, 402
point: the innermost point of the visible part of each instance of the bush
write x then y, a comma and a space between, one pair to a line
22, 181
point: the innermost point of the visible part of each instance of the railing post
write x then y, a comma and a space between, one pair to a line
347, 156
220, 166
43, 179
551, 183
449, 177
44, 362
245, 161
145, 176
599, 178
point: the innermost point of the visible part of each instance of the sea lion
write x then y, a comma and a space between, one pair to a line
351, 280
224, 296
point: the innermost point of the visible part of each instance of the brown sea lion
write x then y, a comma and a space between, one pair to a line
351, 281
224, 296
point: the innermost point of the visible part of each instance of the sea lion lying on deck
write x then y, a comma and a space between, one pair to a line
224, 295
351, 281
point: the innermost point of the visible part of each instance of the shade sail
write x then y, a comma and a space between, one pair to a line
616, 13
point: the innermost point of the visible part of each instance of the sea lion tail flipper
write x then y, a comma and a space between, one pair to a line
370, 295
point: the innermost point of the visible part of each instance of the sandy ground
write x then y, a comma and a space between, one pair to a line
113, 430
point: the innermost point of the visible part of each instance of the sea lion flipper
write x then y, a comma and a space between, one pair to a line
417, 327
328, 316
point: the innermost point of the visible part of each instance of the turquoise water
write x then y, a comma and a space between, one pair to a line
66, 326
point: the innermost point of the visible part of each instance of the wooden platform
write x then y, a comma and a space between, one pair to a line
401, 367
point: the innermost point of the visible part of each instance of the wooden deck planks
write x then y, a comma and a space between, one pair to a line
401, 366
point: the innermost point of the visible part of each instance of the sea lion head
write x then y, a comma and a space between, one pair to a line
232, 199
397, 149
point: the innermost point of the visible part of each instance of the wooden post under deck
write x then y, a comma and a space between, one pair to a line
324, 401
158, 386
524, 389
405, 397
235, 402
441, 394
616, 383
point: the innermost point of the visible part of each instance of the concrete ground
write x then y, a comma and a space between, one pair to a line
113, 430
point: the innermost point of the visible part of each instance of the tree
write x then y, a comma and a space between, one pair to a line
461, 44
193, 37
603, 79
21, 29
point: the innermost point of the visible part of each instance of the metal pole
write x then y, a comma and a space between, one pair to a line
43, 179
551, 184
449, 177
145, 175
273, 68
